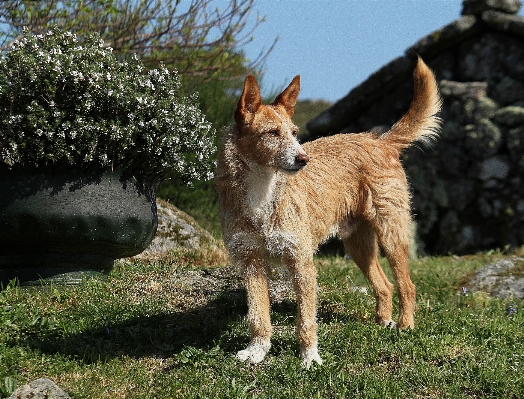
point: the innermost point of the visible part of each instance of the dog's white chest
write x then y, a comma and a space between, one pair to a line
261, 184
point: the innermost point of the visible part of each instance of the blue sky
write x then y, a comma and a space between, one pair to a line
336, 44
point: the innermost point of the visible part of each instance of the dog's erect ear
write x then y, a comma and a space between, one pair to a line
288, 98
249, 102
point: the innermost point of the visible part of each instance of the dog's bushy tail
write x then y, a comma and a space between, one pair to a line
421, 122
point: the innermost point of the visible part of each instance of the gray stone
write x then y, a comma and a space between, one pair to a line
494, 168
504, 279
519, 209
510, 116
508, 91
515, 143
42, 388
508, 23
479, 6
444, 38
483, 139
481, 59
177, 230
484, 108
334, 119
461, 193
463, 90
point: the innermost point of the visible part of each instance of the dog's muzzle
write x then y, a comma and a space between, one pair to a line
301, 160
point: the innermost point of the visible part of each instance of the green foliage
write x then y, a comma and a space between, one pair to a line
151, 331
306, 110
218, 100
199, 38
70, 102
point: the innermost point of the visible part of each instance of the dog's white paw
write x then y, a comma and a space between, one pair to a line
254, 353
388, 324
309, 356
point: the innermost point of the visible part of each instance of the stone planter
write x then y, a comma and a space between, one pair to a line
58, 220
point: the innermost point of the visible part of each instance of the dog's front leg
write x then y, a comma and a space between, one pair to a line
304, 277
258, 312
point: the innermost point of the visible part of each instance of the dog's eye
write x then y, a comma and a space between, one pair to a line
274, 133
294, 133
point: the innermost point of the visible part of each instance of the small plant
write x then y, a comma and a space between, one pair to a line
66, 101
512, 310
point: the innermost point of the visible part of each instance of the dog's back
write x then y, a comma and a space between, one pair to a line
343, 170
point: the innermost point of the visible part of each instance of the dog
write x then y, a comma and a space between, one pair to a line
279, 200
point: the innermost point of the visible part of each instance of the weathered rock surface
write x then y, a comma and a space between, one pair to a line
177, 230
479, 6
503, 279
43, 388
468, 189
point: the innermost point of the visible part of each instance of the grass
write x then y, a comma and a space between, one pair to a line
170, 329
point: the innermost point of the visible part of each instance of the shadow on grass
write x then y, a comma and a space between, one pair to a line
217, 322
161, 335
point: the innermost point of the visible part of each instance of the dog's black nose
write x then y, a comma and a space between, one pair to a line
302, 159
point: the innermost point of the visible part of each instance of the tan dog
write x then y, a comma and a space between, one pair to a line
279, 200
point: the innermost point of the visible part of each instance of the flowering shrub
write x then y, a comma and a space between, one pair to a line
68, 102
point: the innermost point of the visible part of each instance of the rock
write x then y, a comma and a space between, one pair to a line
508, 91
510, 116
515, 143
503, 279
442, 39
471, 7
179, 231
494, 168
463, 90
483, 139
461, 193
42, 388
505, 22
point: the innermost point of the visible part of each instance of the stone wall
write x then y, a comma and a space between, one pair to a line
468, 190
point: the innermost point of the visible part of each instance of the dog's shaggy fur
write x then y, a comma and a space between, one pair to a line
279, 200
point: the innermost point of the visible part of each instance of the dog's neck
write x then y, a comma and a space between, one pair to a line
262, 186
254, 187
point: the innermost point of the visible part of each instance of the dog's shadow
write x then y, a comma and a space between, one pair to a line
158, 335
164, 335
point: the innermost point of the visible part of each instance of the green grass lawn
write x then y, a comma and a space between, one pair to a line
171, 330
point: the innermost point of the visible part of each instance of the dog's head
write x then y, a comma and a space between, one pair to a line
266, 133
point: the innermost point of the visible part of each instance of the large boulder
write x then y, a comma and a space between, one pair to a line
177, 231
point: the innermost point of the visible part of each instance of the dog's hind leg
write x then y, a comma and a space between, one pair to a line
394, 239
362, 247
256, 283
